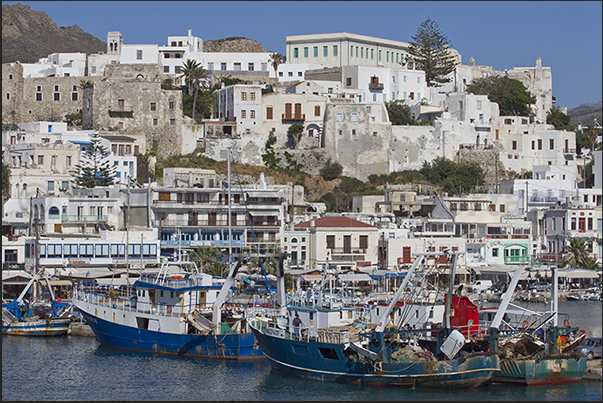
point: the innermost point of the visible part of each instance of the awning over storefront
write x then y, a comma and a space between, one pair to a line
315, 277
580, 273
355, 277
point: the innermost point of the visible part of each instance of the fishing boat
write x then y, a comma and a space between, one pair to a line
540, 355
37, 316
177, 310
379, 355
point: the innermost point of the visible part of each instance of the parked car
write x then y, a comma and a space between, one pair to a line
481, 285
590, 348
541, 286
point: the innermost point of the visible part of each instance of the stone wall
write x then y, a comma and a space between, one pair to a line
130, 100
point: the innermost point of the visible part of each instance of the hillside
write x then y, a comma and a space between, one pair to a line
585, 114
28, 35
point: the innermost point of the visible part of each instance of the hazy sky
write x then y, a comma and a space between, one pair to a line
566, 35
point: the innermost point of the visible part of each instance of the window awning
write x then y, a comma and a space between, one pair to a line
315, 277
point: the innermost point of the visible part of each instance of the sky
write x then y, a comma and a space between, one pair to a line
566, 35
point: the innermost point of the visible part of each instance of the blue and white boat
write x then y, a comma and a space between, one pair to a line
36, 316
383, 355
178, 310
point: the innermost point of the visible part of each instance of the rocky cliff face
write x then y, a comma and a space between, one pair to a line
233, 45
28, 35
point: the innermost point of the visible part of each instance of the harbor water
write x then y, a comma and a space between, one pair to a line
78, 368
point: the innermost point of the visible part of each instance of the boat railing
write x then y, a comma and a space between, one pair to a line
120, 302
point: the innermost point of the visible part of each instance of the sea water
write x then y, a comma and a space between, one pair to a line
78, 368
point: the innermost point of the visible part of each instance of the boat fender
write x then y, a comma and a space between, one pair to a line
567, 323
198, 307
228, 307
525, 324
169, 309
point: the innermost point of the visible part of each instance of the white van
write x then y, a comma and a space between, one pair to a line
481, 285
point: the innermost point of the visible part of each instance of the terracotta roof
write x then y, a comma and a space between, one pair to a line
334, 222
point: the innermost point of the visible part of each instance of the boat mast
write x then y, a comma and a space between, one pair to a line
506, 299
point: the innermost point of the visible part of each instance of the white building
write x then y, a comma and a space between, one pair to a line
241, 103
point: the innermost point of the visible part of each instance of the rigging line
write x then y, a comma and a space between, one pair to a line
252, 230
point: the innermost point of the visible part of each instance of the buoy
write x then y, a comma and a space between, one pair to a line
169, 309
525, 324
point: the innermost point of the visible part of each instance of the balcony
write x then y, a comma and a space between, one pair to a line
375, 87
294, 117
121, 114
517, 259
569, 151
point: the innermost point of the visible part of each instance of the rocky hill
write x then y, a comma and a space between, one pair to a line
234, 45
585, 114
28, 35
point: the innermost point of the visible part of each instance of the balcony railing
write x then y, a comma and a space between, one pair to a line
84, 218
517, 259
347, 251
375, 87
215, 223
300, 117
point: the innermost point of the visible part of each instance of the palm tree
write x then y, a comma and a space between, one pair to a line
207, 258
198, 78
187, 72
575, 253
275, 60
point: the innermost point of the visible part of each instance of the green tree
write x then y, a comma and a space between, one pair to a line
5, 182
294, 133
559, 119
512, 97
195, 76
430, 50
575, 253
453, 177
331, 170
74, 119
187, 73
276, 59
270, 159
399, 113
207, 258
94, 168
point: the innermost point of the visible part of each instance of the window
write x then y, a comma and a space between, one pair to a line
315, 51
295, 53
250, 66
139, 54
68, 161
210, 65
514, 145
299, 74
237, 66
269, 112
551, 144
172, 122
38, 96
494, 252
353, 132
166, 69
243, 96
348, 81
290, 74
223, 66
372, 54
317, 110
74, 96
177, 69
339, 116
171, 105
325, 51
50, 185
153, 106
540, 144
305, 51
533, 145
155, 121
252, 114
252, 96
243, 114
40, 160
354, 117
334, 50
330, 241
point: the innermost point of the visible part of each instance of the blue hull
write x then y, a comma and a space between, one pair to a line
332, 362
226, 346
